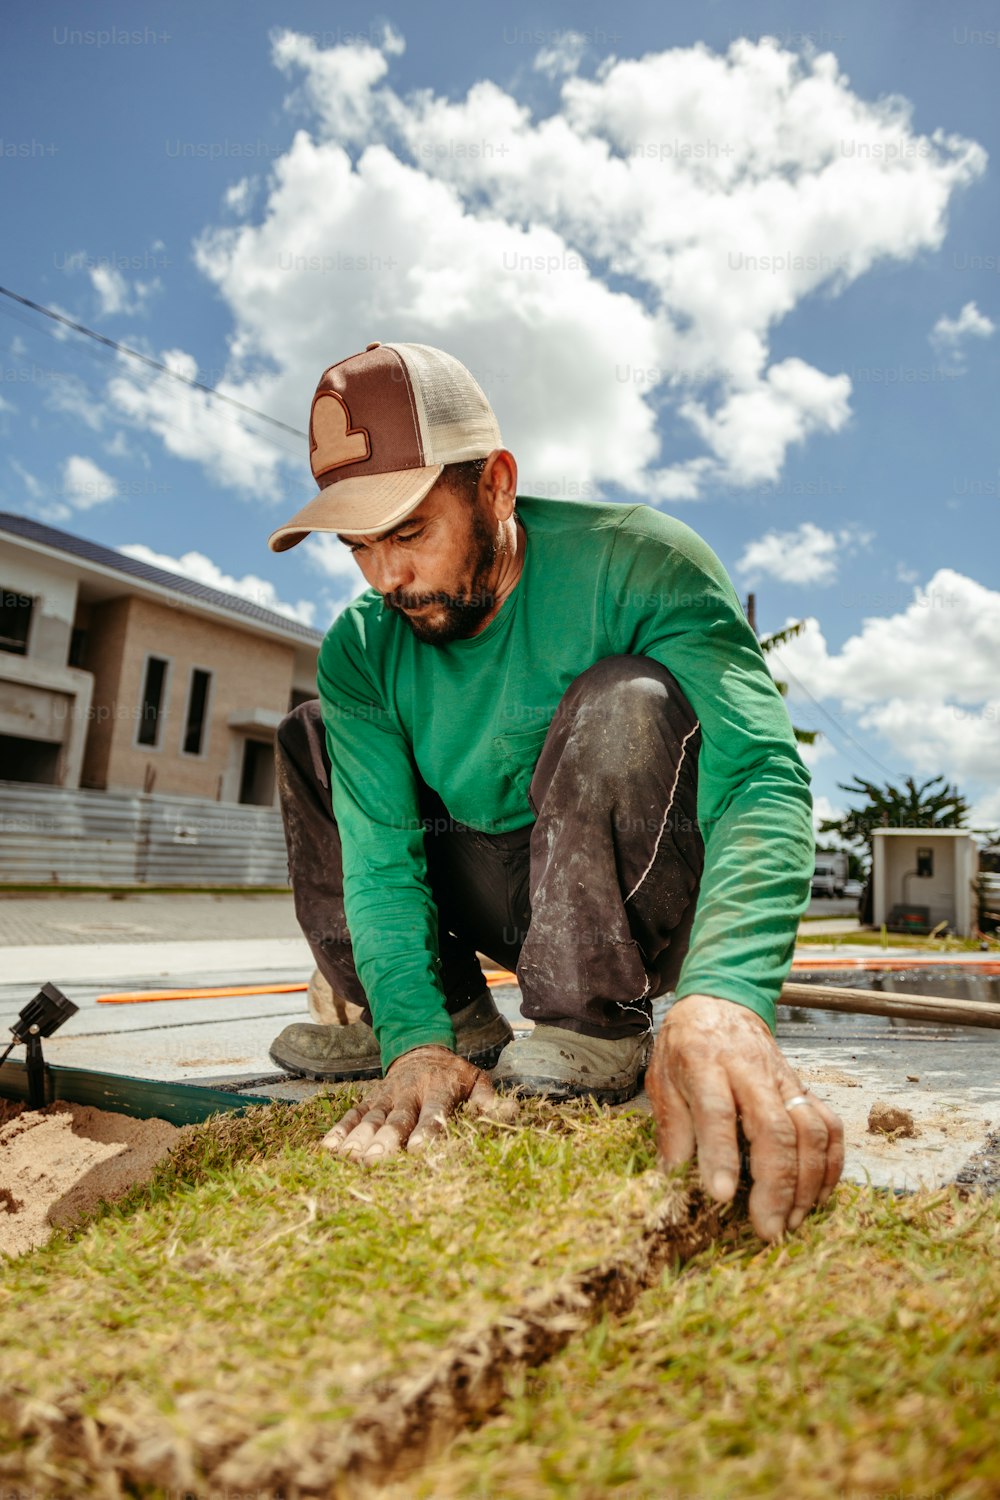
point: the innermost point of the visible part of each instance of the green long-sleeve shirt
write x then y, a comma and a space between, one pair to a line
597, 580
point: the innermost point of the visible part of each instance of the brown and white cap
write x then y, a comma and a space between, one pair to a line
383, 425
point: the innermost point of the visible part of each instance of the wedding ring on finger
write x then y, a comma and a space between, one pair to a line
798, 1099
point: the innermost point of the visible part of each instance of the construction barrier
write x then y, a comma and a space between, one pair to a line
53, 836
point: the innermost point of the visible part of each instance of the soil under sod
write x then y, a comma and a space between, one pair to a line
57, 1163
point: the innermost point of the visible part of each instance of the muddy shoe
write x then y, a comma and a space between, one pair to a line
562, 1064
328, 1008
338, 1054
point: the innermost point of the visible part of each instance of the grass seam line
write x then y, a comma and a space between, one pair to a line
409, 1420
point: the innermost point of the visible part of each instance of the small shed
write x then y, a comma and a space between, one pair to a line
922, 877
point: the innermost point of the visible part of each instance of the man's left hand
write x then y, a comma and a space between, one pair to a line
420, 1091
715, 1060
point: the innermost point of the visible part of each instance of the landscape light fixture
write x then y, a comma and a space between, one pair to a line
40, 1017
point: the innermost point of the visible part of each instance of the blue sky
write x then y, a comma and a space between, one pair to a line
742, 263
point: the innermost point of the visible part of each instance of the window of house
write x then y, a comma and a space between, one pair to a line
78, 647
257, 774
15, 620
194, 724
153, 692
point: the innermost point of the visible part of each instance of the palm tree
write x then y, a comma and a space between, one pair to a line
769, 643
934, 804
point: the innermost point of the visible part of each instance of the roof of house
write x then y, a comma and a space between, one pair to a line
106, 557
926, 832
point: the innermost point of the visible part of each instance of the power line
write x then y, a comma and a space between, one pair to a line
154, 364
199, 385
835, 722
94, 351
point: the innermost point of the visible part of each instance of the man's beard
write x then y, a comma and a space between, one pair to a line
454, 617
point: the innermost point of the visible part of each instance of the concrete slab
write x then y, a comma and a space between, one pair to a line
953, 1089
947, 1077
174, 1040
94, 1021
812, 926
177, 1054
77, 917
112, 963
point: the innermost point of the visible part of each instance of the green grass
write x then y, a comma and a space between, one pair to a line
860, 1359
257, 1286
217, 1329
872, 938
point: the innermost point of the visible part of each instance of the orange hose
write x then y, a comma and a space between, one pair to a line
222, 991
921, 960
210, 994
504, 977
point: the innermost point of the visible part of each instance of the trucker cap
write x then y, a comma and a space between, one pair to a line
383, 425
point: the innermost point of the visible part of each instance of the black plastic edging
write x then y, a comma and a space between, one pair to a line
142, 1098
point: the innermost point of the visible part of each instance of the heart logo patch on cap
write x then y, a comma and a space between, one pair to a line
335, 441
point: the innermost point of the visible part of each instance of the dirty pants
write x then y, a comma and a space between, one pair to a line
591, 904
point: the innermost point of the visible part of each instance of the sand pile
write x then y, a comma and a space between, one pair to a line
58, 1162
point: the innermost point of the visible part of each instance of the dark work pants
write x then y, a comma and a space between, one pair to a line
591, 905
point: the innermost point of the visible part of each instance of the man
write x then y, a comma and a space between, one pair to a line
545, 733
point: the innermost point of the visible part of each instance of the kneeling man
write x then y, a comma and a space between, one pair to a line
546, 733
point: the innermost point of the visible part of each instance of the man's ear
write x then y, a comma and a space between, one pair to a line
498, 482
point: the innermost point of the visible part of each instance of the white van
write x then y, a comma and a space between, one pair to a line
830, 874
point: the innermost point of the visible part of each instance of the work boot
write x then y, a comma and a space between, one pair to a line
561, 1064
328, 1008
338, 1054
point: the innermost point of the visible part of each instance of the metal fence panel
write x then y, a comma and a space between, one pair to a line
51, 835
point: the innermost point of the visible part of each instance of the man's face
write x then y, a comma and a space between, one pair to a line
437, 568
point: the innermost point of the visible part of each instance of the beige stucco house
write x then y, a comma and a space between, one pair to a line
116, 675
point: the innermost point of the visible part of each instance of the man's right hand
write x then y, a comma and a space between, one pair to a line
410, 1105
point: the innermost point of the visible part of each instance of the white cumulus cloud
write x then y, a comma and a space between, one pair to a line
562, 55
118, 295
751, 431
626, 257
820, 749
71, 396
85, 484
32, 484
808, 555
331, 558
823, 811
925, 679
950, 335
338, 82
241, 194
196, 566
193, 425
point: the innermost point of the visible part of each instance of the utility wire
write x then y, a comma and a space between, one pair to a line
145, 359
163, 369
893, 775
145, 377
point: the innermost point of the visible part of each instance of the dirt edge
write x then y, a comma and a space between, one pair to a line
401, 1423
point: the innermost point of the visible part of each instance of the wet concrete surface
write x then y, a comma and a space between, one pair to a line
174, 1040
946, 1076
982, 1171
